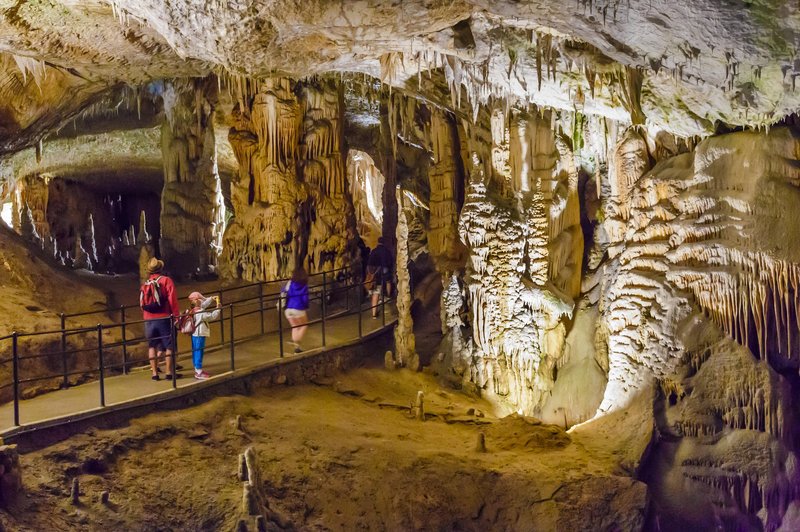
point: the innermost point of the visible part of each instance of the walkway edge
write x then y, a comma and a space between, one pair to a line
46, 432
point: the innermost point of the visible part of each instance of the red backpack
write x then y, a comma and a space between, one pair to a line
150, 299
185, 322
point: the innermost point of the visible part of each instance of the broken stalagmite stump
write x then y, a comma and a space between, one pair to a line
10, 474
388, 360
104, 497
242, 472
419, 407
75, 492
480, 445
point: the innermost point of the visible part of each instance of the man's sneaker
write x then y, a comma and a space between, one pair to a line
156, 377
169, 376
202, 375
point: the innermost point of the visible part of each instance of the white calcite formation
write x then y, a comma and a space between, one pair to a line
520, 224
698, 294
365, 183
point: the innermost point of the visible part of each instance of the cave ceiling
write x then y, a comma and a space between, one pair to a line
695, 65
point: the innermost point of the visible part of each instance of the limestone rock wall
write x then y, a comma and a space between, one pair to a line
191, 207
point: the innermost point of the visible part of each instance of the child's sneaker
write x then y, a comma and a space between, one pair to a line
201, 375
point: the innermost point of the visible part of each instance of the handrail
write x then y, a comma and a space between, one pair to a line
247, 306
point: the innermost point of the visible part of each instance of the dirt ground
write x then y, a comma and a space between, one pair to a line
343, 454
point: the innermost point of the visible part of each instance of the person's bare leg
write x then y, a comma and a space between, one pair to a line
294, 322
168, 353
151, 354
375, 297
301, 331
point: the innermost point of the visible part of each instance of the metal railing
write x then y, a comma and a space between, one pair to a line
338, 294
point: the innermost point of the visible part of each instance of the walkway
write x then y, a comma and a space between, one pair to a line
263, 350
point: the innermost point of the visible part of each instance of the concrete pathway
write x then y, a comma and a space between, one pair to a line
248, 354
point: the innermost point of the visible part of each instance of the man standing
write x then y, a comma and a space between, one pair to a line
379, 274
159, 302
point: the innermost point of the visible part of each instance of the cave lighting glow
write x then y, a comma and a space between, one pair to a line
5, 213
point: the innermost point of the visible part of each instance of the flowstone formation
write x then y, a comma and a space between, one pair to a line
262, 240
329, 212
699, 295
291, 202
520, 223
365, 182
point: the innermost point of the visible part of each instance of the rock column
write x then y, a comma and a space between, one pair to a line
404, 332
521, 224
189, 203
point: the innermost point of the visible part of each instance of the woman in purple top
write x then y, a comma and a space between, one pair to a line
296, 294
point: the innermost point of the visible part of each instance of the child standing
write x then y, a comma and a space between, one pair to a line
202, 315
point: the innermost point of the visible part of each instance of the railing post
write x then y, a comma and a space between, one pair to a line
174, 345
15, 370
221, 321
280, 322
64, 369
261, 305
383, 305
102, 364
360, 294
124, 340
233, 366
324, 297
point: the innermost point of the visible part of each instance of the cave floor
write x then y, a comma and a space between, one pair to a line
342, 454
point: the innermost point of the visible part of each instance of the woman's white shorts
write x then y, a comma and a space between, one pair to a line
294, 313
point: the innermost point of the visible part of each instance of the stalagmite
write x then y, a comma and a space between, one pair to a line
419, 406
480, 443
404, 332
75, 492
